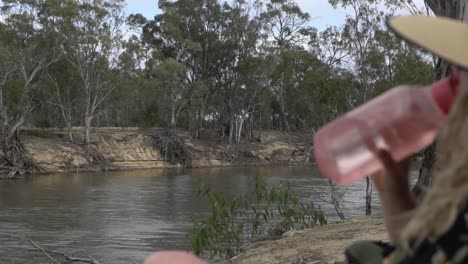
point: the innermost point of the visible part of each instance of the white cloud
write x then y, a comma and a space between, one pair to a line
323, 13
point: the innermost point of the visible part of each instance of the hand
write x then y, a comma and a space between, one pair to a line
394, 178
173, 257
395, 195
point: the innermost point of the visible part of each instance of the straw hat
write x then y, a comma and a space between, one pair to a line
447, 38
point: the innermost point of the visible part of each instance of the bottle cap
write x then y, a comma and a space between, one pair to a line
445, 91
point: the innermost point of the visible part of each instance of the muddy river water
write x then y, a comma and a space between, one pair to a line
116, 216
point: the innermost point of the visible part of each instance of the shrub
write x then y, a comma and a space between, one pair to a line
263, 214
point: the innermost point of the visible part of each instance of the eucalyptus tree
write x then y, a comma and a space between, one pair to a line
93, 40
171, 77
65, 94
29, 36
289, 31
186, 32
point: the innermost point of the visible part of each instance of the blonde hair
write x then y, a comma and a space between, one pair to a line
448, 194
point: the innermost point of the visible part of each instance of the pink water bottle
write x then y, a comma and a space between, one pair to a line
402, 121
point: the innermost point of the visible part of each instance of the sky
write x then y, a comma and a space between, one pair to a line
320, 10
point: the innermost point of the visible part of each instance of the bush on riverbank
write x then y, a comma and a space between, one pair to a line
266, 213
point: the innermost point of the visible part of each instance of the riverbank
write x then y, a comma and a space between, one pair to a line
131, 149
324, 245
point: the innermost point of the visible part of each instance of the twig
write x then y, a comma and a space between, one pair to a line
12, 236
34, 245
132, 261
43, 251
70, 259
48, 253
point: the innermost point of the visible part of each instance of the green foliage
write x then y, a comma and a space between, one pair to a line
266, 212
236, 66
149, 117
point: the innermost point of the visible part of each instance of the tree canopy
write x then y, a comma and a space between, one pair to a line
233, 67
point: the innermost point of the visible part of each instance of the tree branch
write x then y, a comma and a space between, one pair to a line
48, 253
34, 244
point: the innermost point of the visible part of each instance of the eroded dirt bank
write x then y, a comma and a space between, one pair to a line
135, 149
322, 245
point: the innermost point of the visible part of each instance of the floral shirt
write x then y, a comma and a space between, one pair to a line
451, 248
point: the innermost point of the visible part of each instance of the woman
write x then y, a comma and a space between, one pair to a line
437, 230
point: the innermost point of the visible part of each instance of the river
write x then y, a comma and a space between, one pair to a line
118, 216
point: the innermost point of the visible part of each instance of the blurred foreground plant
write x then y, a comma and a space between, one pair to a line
265, 213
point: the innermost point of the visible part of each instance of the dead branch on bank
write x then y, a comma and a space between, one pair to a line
336, 198
172, 148
67, 259
14, 162
98, 158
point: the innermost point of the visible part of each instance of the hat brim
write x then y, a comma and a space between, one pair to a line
446, 38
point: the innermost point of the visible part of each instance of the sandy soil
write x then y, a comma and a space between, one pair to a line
133, 149
319, 245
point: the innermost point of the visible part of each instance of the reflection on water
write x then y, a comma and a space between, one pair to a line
119, 215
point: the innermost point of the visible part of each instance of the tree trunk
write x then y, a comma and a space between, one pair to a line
201, 118
241, 125
69, 130
284, 118
67, 116
87, 128
15, 160
454, 9
11, 143
198, 123
237, 130
173, 116
231, 130
335, 199
193, 123
250, 128
368, 196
